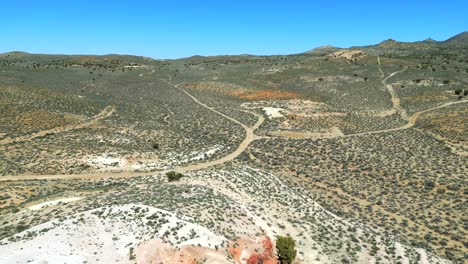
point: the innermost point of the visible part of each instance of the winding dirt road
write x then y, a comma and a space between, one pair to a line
411, 122
249, 131
250, 136
143, 74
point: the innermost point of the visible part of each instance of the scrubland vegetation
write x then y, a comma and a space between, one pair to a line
355, 155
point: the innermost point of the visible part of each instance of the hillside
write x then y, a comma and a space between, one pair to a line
461, 38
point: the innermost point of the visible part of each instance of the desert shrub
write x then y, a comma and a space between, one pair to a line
174, 176
458, 91
429, 185
285, 247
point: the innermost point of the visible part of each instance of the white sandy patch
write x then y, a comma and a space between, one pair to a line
103, 239
53, 202
295, 107
400, 251
121, 163
148, 161
207, 153
273, 112
105, 161
194, 156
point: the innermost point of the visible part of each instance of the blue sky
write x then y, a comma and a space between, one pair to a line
174, 29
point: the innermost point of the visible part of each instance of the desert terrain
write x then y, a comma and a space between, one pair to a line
360, 155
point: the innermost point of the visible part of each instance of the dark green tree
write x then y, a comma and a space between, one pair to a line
285, 247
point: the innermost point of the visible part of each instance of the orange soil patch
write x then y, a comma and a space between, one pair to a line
253, 251
245, 250
265, 94
242, 92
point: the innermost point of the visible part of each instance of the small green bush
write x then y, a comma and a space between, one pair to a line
174, 176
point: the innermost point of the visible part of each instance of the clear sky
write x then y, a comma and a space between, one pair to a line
173, 29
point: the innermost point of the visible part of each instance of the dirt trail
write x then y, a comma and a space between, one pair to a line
250, 136
382, 74
395, 98
143, 74
108, 111
396, 106
334, 133
238, 151
411, 122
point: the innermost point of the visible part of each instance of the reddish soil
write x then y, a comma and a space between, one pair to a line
265, 95
253, 251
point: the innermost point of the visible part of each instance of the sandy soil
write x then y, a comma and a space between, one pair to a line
107, 239
53, 202
156, 251
273, 112
349, 54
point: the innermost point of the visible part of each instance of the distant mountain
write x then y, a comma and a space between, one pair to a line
429, 40
461, 38
391, 45
429, 43
14, 53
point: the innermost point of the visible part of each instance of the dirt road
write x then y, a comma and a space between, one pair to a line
389, 87
411, 122
250, 136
